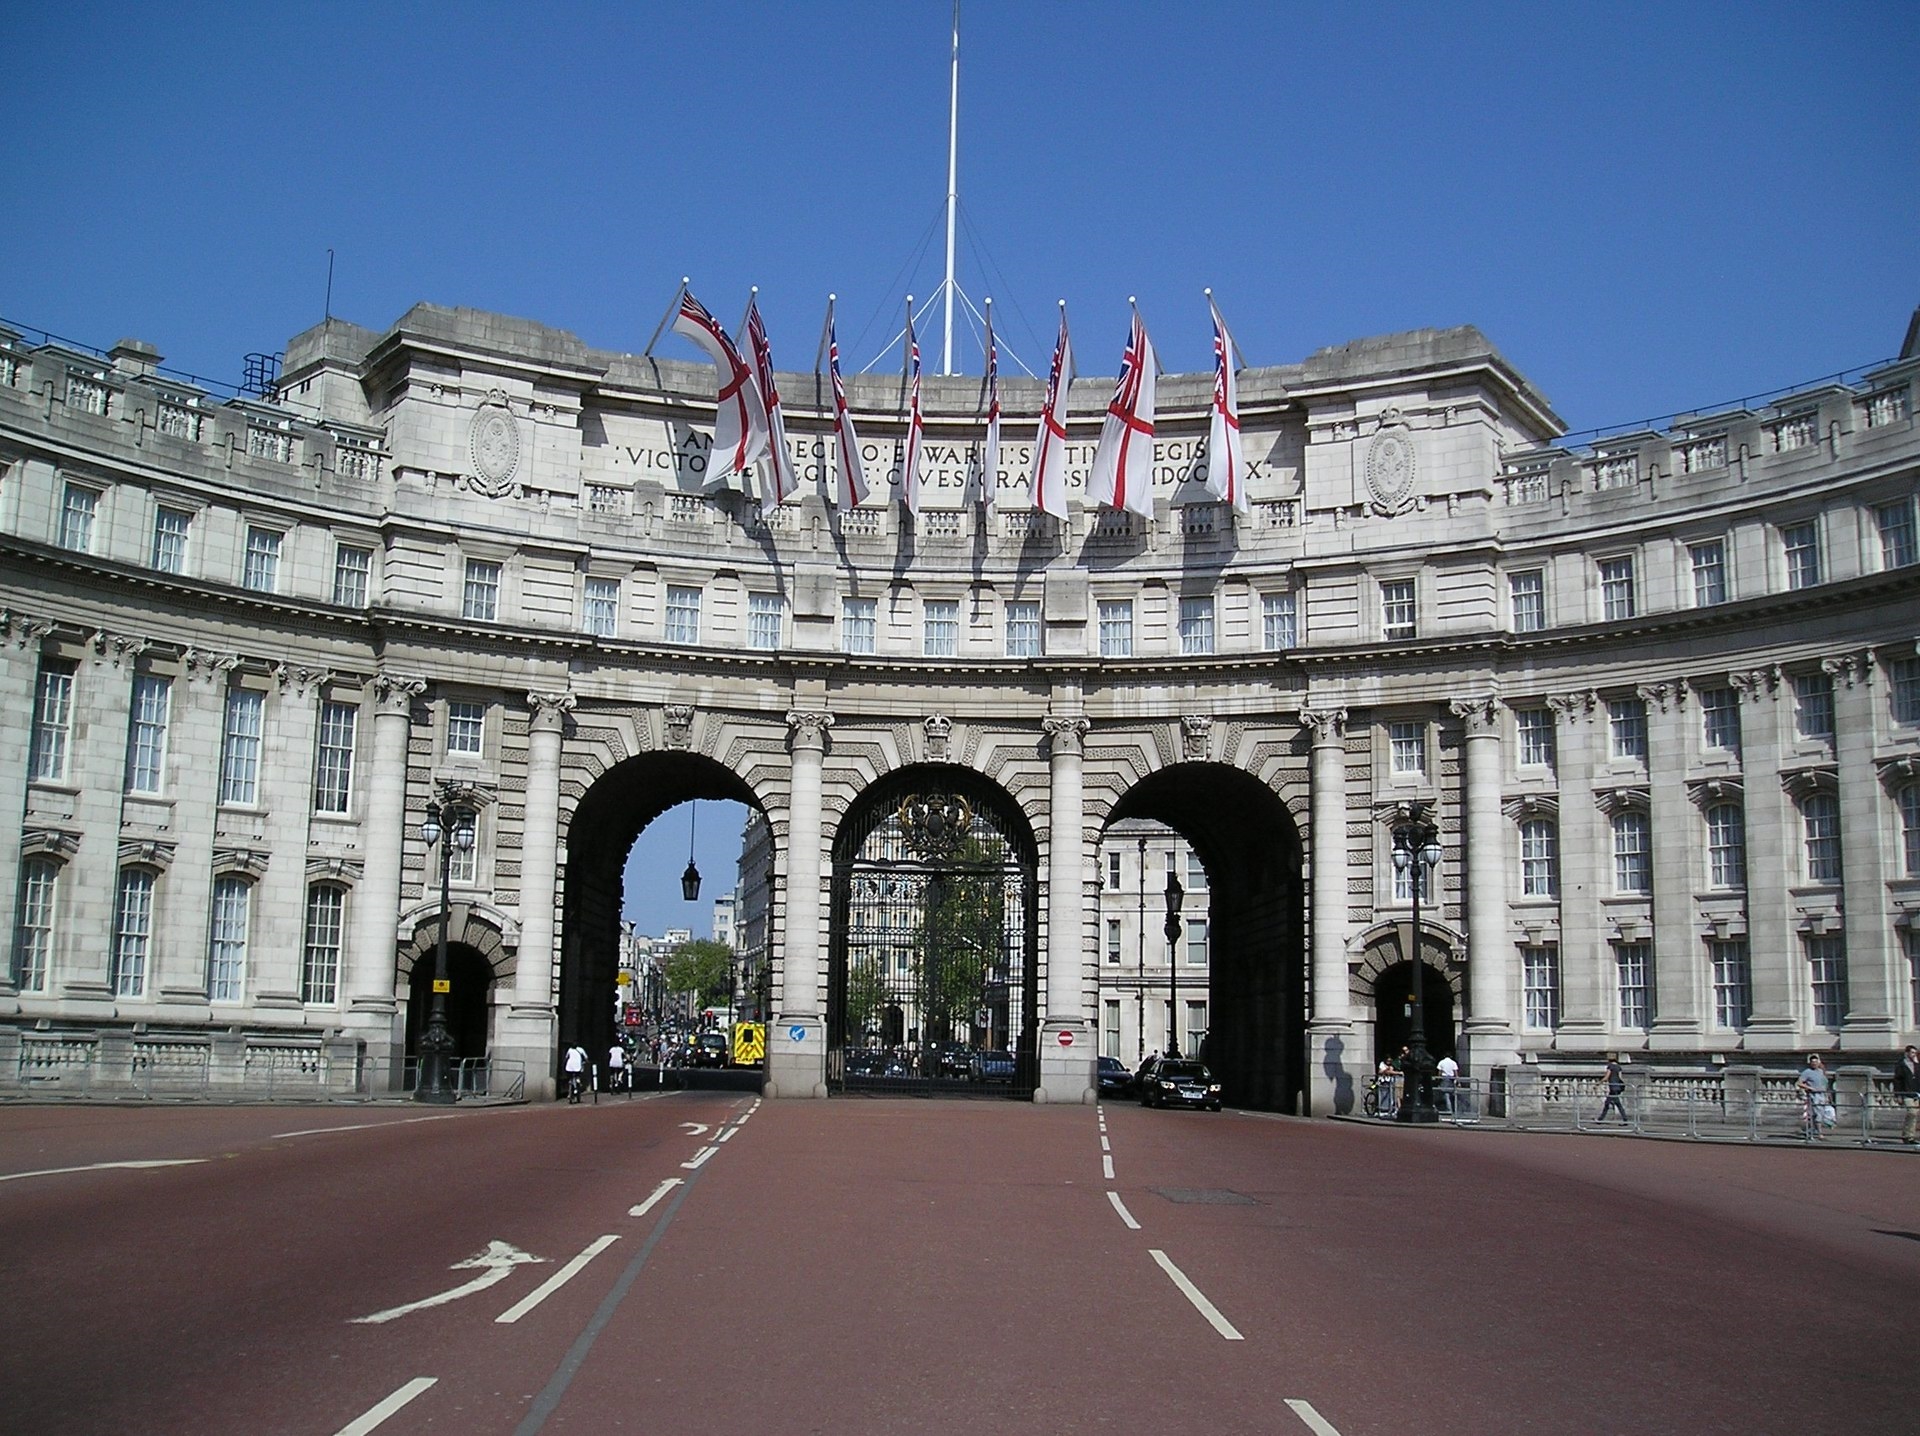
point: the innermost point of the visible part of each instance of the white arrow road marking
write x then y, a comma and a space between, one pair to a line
498, 1261
1315, 1421
693, 1129
360, 1426
699, 1159
1200, 1303
652, 1201
553, 1283
103, 1167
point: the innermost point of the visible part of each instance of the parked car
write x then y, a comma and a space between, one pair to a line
992, 1067
1172, 1082
1115, 1080
952, 1059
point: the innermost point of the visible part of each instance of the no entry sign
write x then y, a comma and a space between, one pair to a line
1066, 1039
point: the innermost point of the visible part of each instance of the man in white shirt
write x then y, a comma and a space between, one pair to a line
1449, 1070
576, 1070
616, 1066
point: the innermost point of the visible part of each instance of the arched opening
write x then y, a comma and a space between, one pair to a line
932, 984
1393, 1012
622, 802
1255, 961
469, 996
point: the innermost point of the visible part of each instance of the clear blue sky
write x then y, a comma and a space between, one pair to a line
1647, 207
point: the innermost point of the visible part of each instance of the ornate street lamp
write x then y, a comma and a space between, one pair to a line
690, 879
452, 817
1416, 852
1175, 896
1140, 986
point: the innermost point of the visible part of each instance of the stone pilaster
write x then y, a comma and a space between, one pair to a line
1336, 1067
277, 945
1876, 965
528, 1026
797, 1045
194, 741
371, 960
96, 775
1773, 862
1585, 990
1067, 1048
1678, 958
20, 640
1487, 1037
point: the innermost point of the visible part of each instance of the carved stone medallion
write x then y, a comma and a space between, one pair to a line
493, 440
1390, 466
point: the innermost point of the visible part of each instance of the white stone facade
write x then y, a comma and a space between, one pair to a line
1661, 690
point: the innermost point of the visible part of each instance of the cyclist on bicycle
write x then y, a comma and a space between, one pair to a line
576, 1070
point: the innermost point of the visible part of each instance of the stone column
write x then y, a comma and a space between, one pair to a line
1487, 1038
376, 901
1337, 1069
195, 736
1067, 1055
797, 1044
278, 941
527, 1030
1876, 966
96, 772
1771, 824
1679, 961
1584, 957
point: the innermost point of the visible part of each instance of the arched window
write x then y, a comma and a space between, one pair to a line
132, 932
320, 963
1726, 846
1820, 818
1539, 858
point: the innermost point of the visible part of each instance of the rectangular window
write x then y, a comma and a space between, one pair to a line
480, 592
1720, 719
1196, 873
1540, 987
1539, 858
463, 866
1907, 800
1617, 598
683, 614
132, 932
240, 746
1535, 729
333, 765
227, 940
1827, 972
320, 965
1115, 617
1403, 883
1820, 817
1732, 984
33, 929
1279, 621
352, 575
1726, 846
1113, 942
766, 621
1196, 625
1527, 600
1813, 706
261, 569
1627, 729
1196, 942
147, 733
1709, 572
1023, 630
941, 636
170, 528
1113, 872
466, 727
1631, 964
1110, 1028
1196, 1025
78, 506
1397, 615
1632, 854
1407, 749
1903, 690
1898, 547
858, 625
1800, 543
52, 721
600, 607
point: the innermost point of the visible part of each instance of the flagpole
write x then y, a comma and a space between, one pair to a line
953, 185
672, 309
825, 330
1215, 313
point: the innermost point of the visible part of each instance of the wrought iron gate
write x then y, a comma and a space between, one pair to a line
931, 987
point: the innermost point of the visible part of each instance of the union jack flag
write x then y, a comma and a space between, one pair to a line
1226, 469
850, 488
1050, 444
739, 414
1123, 463
785, 481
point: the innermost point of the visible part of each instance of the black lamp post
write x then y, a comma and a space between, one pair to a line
1140, 987
1175, 896
1416, 851
453, 820
690, 879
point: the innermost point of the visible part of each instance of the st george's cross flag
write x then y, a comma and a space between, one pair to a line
987, 475
1226, 469
850, 473
785, 481
1123, 463
739, 415
1050, 445
916, 428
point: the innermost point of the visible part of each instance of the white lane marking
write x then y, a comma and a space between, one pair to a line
1200, 1303
1125, 1215
360, 1426
497, 1263
1106, 1164
553, 1283
1316, 1423
658, 1192
700, 1159
1105, 1145
693, 1129
366, 1126
104, 1167
726, 1134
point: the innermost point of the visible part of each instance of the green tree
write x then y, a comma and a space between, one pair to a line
867, 997
701, 967
959, 947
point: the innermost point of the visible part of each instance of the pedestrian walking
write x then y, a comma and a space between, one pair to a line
1906, 1087
1816, 1099
1616, 1084
575, 1067
1449, 1071
616, 1067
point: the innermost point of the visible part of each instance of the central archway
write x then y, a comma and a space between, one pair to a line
932, 983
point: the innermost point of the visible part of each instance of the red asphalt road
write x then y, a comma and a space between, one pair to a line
879, 1266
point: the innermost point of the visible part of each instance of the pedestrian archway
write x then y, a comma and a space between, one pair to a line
469, 999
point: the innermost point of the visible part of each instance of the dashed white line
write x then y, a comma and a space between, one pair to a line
360, 1426
1106, 1165
1200, 1303
553, 1283
1105, 1145
700, 1159
658, 1192
1125, 1215
726, 1134
104, 1167
1316, 1423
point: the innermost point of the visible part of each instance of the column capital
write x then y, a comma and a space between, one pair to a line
394, 692
23, 629
1480, 713
549, 710
301, 678
1757, 683
807, 730
115, 648
1849, 668
1328, 725
1571, 708
1066, 733
204, 666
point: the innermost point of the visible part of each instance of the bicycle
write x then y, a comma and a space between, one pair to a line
1378, 1098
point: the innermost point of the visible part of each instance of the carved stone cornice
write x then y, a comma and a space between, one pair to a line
1802, 783
1849, 668
1707, 791
394, 692
1896, 773
1615, 801
1757, 683
235, 858
1196, 733
1571, 708
807, 730
1066, 733
115, 649
1327, 725
939, 730
1531, 805
57, 843
331, 867
146, 853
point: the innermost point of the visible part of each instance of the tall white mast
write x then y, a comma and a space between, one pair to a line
953, 188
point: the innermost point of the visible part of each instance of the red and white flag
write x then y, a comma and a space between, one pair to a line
1050, 445
739, 415
1226, 469
1123, 463
850, 473
916, 429
988, 475
785, 481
